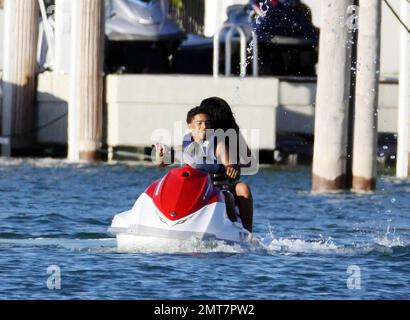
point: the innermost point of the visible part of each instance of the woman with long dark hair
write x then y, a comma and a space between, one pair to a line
223, 118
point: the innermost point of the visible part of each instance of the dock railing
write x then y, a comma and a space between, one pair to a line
242, 30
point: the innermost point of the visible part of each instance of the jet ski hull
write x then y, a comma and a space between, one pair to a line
144, 223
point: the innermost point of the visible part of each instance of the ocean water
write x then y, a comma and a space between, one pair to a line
54, 242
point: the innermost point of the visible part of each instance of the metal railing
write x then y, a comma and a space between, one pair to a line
241, 30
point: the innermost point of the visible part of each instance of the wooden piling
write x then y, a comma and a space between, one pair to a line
19, 74
367, 91
403, 141
332, 100
86, 80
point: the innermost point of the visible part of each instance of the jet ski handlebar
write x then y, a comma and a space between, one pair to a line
220, 178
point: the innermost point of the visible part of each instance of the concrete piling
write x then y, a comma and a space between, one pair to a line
367, 91
332, 99
86, 80
19, 74
403, 141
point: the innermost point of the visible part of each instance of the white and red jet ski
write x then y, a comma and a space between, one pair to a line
183, 205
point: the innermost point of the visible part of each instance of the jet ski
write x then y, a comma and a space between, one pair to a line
183, 205
287, 40
140, 36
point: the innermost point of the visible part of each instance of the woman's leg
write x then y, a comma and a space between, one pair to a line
230, 205
245, 203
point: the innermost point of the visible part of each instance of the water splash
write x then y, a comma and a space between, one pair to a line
390, 239
81, 245
243, 67
269, 245
248, 60
292, 246
193, 246
261, 11
326, 245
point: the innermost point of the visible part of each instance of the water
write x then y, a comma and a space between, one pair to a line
315, 247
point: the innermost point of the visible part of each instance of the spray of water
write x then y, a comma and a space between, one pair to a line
269, 244
390, 238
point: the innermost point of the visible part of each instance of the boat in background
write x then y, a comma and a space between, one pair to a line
287, 40
140, 36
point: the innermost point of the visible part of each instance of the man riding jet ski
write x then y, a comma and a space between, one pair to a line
191, 202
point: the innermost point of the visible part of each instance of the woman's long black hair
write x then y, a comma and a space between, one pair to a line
222, 118
220, 113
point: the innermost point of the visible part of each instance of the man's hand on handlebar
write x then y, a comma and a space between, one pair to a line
232, 171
